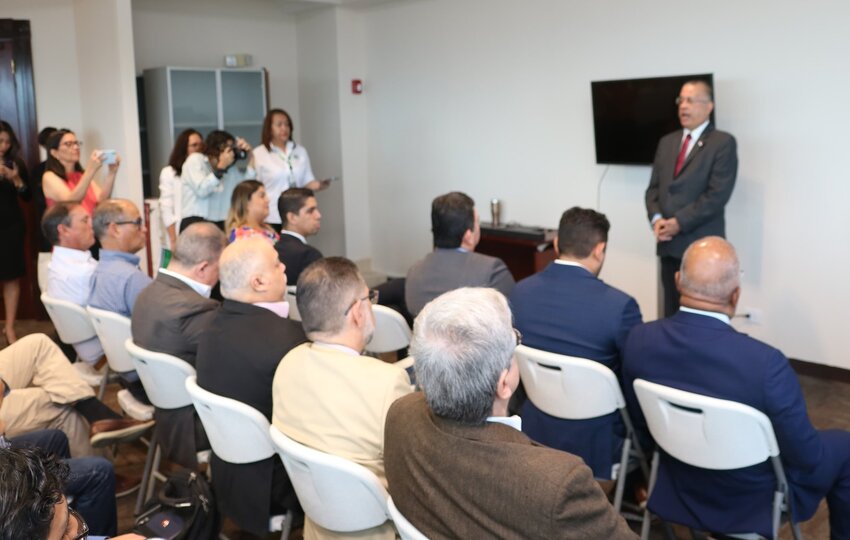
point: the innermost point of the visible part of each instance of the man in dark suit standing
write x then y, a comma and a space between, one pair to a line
457, 465
169, 316
301, 218
692, 180
567, 309
454, 263
238, 354
697, 350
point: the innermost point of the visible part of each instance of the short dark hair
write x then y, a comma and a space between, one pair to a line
708, 88
45, 134
31, 485
266, 136
293, 200
215, 142
452, 215
58, 214
580, 230
325, 289
181, 150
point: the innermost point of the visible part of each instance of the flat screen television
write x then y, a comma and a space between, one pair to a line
629, 116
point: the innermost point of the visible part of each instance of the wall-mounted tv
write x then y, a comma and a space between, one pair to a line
629, 116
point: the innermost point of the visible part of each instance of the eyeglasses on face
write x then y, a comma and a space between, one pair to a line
81, 532
689, 100
518, 336
372, 297
137, 222
71, 144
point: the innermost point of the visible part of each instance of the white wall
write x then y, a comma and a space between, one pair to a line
493, 98
198, 33
55, 65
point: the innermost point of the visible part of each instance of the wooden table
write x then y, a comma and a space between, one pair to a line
525, 250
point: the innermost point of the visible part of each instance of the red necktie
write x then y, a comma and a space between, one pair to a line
680, 160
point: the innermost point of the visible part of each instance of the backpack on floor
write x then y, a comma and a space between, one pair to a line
184, 509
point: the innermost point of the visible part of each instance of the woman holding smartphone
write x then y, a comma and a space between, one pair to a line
281, 163
14, 185
65, 179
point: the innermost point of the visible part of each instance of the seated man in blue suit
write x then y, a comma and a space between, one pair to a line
697, 350
567, 309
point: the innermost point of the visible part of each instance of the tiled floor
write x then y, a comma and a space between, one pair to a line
828, 404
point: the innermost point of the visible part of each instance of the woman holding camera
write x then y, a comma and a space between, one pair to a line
282, 164
208, 178
65, 179
188, 142
14, 185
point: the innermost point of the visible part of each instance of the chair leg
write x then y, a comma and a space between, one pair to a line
795, 531
621, 475
147, 475
102, 390
644, 528
286, 527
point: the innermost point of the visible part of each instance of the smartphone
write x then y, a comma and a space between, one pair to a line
109, 157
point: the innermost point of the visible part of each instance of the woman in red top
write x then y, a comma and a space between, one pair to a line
65, 179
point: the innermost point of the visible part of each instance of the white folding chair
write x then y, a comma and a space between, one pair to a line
294, 314
113, 330
238, 433
714, 434
73, 325
405, 529
391, 331
163, 377
335, 493
579, 389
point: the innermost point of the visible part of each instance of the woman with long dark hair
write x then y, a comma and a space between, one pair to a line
170, 205
281, 163
14, 185
65, 179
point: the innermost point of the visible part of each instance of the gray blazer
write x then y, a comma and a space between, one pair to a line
169, 317
444, 270
698, 195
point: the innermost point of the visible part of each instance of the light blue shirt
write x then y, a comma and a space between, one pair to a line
117, 281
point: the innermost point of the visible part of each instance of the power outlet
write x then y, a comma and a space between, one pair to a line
754, 315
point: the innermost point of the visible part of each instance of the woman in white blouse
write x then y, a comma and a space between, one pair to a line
281, 163
208, 178
188, 142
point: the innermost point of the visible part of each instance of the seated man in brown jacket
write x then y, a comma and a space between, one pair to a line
457, 466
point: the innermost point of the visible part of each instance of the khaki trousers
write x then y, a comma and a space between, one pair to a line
42, 385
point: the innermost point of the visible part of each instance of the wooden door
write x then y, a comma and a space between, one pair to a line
17, 107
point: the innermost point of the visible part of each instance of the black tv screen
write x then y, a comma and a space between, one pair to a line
629, 116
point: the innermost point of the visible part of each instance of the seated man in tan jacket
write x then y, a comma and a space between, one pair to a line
326, 394
457, 466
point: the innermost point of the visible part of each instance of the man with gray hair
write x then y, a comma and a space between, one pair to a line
169, 316
117, 279
457, 466
326, 394
698, 350
237, 357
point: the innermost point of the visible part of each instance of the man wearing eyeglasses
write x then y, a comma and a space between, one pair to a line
326, 395
692, 180
118, 280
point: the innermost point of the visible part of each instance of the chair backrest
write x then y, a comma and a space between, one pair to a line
162, 375
405, 529
294, 314
238, 433
336, 493
703, 431
391, 331
568, 387
71, 321
113, 330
